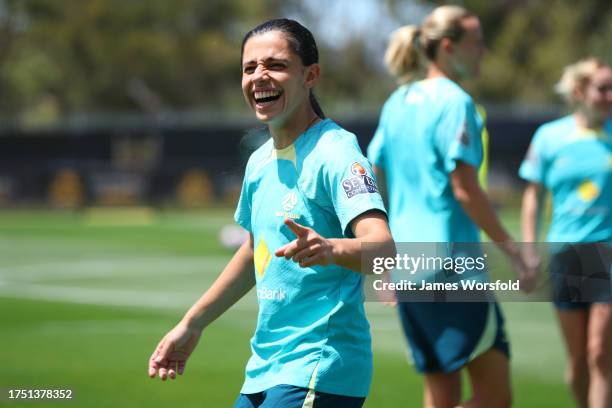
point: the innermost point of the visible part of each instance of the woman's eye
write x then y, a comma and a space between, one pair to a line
248, 70
277, 66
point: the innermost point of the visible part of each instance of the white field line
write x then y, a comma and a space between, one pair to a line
113, 268
39, 282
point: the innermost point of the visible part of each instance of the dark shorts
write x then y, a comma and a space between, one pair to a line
289, 396
580, 275
445, 336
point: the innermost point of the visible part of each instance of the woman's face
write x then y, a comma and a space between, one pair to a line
469, 50
274, 80
596, 96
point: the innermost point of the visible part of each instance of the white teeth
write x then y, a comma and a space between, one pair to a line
266, 94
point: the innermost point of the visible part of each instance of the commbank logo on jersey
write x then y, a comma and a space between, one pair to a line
588, 191
261, 257
360, 184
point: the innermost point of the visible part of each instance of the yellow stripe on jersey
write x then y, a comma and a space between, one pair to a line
484, 166
288, 153
262, 258
310, 397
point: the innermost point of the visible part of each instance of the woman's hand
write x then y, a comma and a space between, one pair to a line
308, 249
171, 354
532, 266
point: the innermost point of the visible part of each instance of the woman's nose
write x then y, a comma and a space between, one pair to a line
260, 74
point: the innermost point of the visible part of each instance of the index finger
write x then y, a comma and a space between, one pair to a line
157, 359
297, 229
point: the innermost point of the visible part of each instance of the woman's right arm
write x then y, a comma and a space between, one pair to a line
172, 352
234, 282
467, 191
530, 211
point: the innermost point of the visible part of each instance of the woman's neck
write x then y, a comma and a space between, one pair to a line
586, 121
436, 71
285, 134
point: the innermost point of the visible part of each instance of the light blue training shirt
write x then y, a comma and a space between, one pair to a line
425, 128
575, 165
311, 329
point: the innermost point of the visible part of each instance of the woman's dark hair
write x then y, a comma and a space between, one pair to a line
301, 42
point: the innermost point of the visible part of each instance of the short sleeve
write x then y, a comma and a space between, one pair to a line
242, 216
351, 186
459, 135
533, 167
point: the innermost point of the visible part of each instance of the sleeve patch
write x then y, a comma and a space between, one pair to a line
463, 135
360, 184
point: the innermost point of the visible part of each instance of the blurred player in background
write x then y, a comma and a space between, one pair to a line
307, 209
572, 158
427, 151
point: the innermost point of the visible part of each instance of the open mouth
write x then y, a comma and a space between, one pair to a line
266, 96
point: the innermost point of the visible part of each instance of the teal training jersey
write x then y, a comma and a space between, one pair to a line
576, 166
311, 330
425, 128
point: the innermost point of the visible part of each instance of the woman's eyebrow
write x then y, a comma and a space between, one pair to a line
267, 60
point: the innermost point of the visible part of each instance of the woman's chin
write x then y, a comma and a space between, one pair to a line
268, 118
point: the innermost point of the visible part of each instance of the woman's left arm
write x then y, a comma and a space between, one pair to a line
309, 248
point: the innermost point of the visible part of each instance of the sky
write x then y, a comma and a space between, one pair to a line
337, 22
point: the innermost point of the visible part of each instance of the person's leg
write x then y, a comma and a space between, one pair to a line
442, 390
490, 380
599, 355
573, 324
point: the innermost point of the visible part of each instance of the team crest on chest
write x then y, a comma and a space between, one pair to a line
360, 184
288, 203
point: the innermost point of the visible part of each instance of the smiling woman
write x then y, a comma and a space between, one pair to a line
307, 210
279, 69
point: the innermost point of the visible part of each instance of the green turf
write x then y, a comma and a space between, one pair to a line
82, 305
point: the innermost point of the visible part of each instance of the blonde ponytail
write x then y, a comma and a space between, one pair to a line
402, 57
411, 46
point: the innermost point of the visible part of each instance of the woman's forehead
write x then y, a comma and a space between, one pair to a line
271, 44
603, 74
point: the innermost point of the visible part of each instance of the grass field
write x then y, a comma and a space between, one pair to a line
85, 297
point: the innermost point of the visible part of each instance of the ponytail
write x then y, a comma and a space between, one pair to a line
315, 105
411, 47
402, 58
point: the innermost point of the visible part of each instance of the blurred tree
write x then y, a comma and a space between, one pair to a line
531, 41
124, 55
71, 56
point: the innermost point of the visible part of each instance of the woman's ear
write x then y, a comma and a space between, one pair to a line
578, 92
313, 72
447, 45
